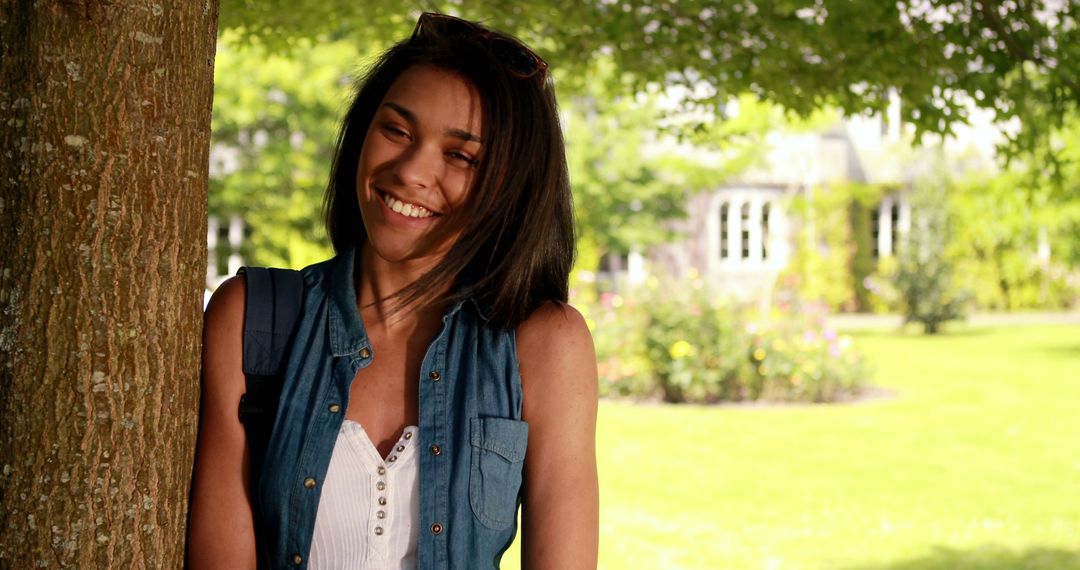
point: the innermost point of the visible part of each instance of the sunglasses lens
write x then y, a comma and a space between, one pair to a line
517, 59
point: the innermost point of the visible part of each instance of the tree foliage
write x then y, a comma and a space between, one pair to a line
1016, 232
274, 129
1020, 59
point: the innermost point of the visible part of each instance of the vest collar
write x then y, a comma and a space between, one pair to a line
347, 333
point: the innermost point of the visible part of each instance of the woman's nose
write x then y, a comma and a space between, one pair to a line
418, 167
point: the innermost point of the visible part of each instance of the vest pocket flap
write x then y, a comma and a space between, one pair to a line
503, 436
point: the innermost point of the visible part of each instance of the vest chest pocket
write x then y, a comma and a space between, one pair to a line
498, 455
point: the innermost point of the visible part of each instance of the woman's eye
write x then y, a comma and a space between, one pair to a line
461, 159
395, 132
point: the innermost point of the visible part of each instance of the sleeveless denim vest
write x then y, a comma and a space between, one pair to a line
472, 438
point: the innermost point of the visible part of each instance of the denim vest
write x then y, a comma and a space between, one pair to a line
472, 438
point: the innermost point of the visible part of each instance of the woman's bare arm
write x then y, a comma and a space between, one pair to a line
560, 527
221, 533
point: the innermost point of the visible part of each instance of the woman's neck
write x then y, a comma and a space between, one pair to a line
377, 280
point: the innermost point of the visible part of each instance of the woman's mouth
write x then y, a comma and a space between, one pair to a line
404, 208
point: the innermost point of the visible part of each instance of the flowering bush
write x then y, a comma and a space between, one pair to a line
675, 343
693, 346
797, 358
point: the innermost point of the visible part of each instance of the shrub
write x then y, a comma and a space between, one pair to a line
676, 343
694, 347
925, 274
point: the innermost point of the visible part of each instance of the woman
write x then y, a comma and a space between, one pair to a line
437, 378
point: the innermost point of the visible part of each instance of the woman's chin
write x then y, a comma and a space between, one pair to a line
400, 253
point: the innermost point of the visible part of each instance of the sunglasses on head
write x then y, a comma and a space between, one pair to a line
519, 60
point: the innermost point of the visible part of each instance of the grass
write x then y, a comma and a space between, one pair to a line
973, 462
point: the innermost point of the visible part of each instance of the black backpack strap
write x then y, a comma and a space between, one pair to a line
271, 314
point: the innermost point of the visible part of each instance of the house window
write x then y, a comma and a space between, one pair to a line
875, 232
744, 231
885, 227
725, 213
614, 269
614, 262
894, 223
744, 215
765, 231
225, 239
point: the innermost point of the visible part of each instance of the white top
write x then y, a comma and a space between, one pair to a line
369, 510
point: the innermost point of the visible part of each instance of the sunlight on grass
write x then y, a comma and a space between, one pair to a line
973, 462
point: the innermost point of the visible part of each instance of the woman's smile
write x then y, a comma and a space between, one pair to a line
406, 209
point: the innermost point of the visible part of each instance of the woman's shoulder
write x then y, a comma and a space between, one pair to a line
227, 303
555, 352
553, 325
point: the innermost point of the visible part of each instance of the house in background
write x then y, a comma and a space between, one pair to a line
740, 235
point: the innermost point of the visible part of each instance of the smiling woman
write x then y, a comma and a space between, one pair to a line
437, 380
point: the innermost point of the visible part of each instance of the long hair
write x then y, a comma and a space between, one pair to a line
517, 246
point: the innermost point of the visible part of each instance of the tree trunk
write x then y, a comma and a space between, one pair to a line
105, 113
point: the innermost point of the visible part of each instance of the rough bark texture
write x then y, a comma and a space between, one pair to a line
105, 114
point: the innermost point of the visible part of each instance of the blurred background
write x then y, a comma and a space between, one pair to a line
829, 251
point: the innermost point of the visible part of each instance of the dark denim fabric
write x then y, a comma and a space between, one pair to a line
472, 438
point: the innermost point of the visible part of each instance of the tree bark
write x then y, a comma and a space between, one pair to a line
105, 114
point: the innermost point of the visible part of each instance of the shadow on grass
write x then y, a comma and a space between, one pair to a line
916, 334
1067, 351
985, 558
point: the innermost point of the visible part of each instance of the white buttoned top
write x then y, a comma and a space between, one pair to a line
369, 510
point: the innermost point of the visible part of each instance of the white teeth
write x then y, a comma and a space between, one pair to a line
408, 210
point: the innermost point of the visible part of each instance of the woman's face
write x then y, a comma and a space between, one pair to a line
417, 164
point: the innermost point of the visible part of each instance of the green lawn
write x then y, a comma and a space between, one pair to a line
973, 461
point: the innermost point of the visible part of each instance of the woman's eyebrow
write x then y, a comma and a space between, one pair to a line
407, 114
463, 135
410, 117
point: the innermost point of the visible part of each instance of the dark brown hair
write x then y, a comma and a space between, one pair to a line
517, 246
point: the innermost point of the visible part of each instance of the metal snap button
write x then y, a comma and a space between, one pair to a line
435, 375
309, 482
334, 408
436, 528
436, 450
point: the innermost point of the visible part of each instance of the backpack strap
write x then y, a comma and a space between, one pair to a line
271, 314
